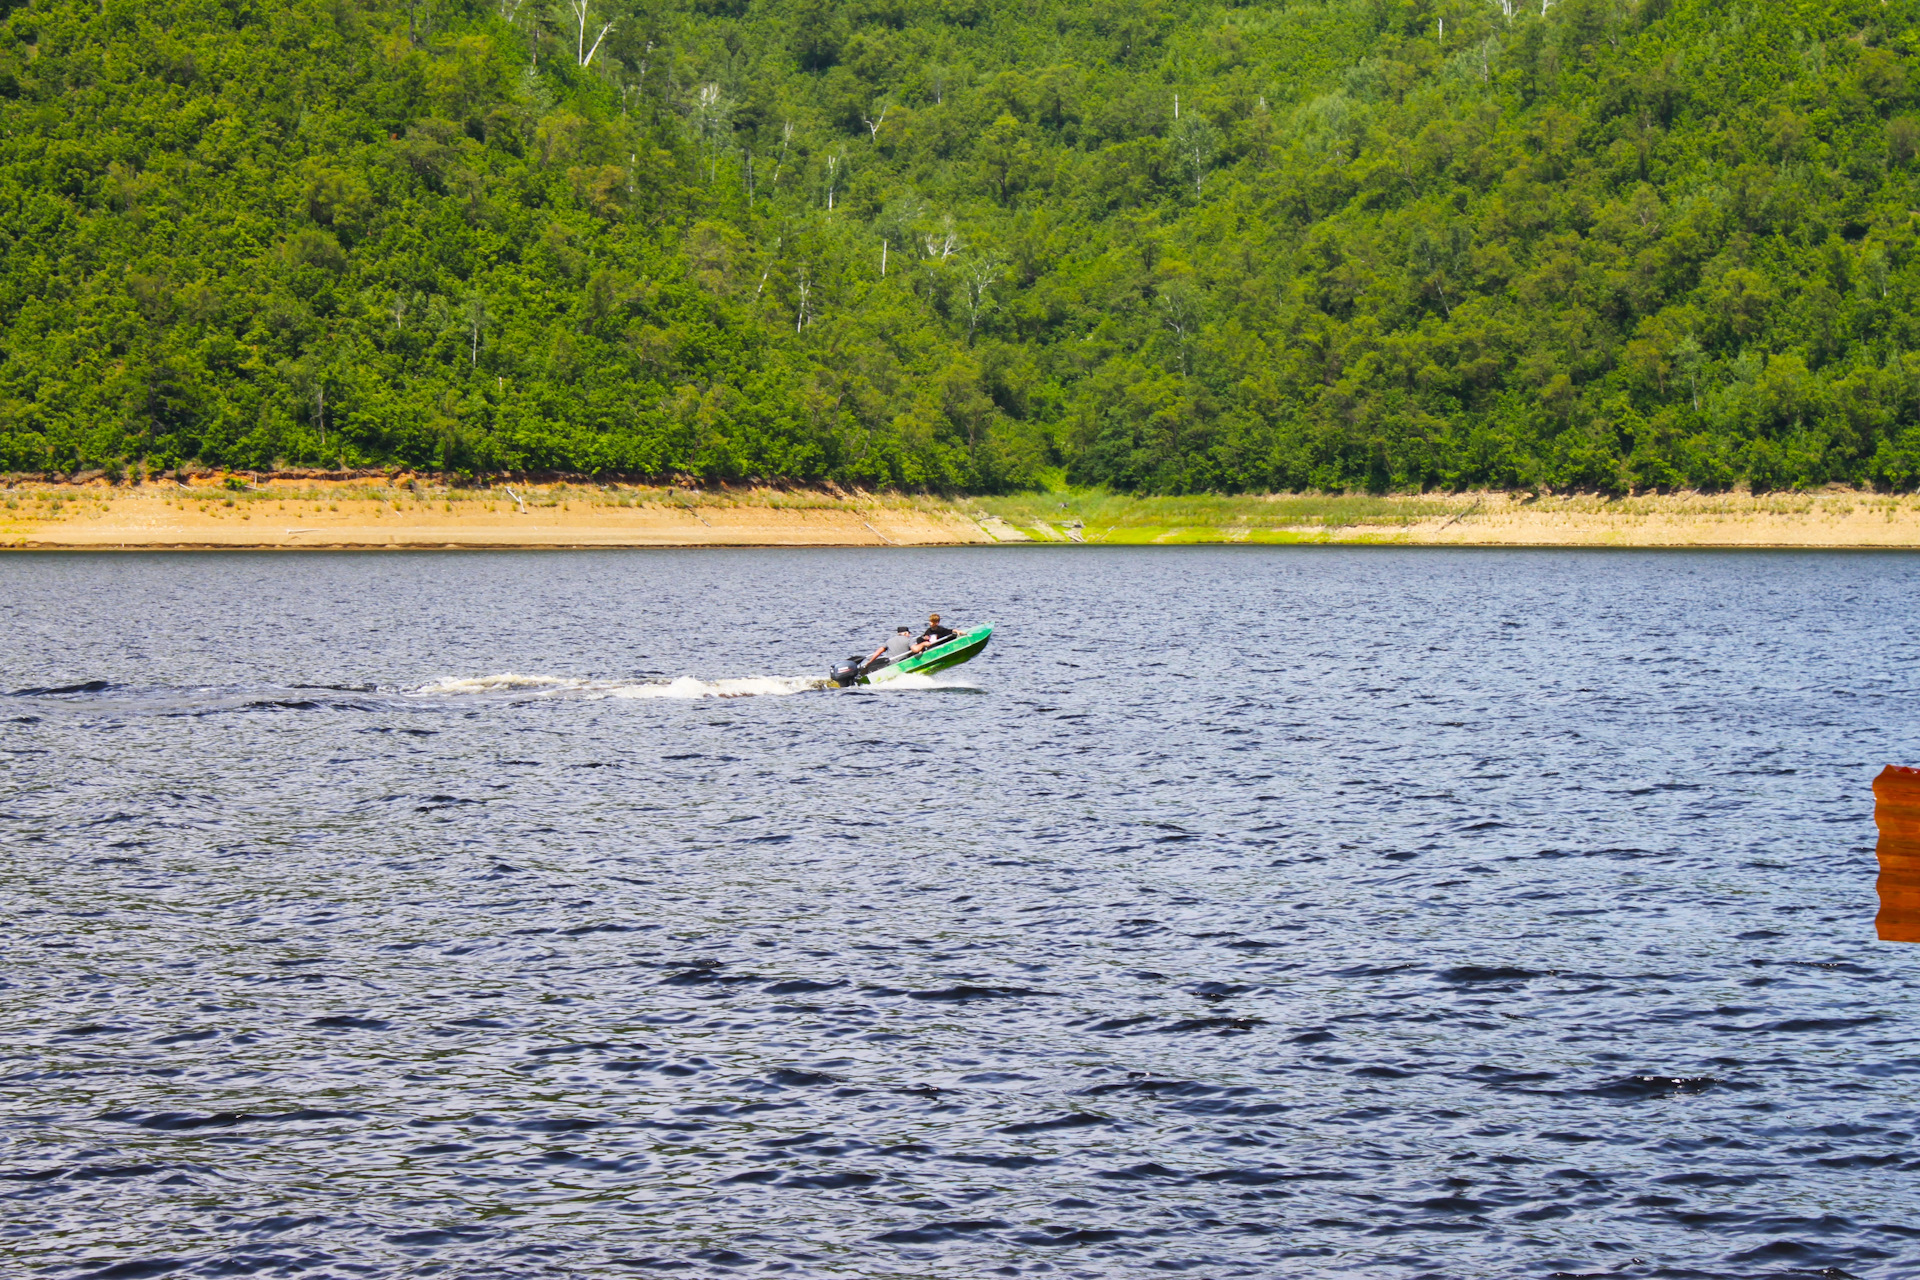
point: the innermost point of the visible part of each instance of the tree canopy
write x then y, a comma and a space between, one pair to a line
968, 244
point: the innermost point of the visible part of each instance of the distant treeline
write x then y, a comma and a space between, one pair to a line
967, 244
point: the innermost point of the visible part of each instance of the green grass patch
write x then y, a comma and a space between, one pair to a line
1267, 518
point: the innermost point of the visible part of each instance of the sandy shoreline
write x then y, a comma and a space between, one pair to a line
401, 514
353, 515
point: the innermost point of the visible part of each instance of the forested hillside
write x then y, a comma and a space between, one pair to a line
968, 244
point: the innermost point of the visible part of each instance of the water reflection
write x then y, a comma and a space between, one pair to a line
1896, 811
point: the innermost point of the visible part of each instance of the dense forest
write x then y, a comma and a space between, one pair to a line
968, 244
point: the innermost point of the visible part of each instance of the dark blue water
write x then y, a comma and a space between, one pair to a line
1241, 912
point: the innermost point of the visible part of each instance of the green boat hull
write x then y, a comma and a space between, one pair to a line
939, 658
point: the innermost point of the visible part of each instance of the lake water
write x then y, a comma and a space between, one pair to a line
1240, 912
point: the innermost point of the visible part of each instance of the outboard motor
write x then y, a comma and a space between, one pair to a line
846, 673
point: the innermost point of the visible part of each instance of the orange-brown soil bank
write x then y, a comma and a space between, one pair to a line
1830, 518
411, 512
357, 514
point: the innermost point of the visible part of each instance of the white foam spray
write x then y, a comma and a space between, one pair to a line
684, 687
916, 682
743, 687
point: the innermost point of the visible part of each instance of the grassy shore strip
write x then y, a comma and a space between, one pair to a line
1096, 516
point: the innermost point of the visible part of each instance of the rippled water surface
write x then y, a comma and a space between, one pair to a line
1240, 912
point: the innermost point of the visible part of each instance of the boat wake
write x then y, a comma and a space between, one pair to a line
502, 686
683, 687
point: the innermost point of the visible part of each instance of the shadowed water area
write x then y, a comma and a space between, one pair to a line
1240, 912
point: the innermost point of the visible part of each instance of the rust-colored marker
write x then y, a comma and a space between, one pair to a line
1896, 811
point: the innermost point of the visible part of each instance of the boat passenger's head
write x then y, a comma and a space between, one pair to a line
933, 617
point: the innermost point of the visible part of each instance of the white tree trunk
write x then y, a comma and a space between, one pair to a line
581, 52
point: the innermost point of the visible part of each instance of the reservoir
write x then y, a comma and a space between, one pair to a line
1239, 912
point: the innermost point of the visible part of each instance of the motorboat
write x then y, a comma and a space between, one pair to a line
948, 653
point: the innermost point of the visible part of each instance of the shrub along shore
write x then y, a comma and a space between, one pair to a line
322, 510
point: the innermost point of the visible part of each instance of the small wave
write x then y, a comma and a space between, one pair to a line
58, 690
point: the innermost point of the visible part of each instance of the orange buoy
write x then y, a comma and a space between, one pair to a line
1896, 811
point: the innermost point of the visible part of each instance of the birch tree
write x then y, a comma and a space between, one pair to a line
1441, 260
1196, 141
584, 54
420, 22
945, 243
476, 321
1690, 358
308, 375
835, 163
1180, 314
712, 118
772, 258
979, 276
786, 139
803, 314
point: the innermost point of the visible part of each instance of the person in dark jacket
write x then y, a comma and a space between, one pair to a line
933, 635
